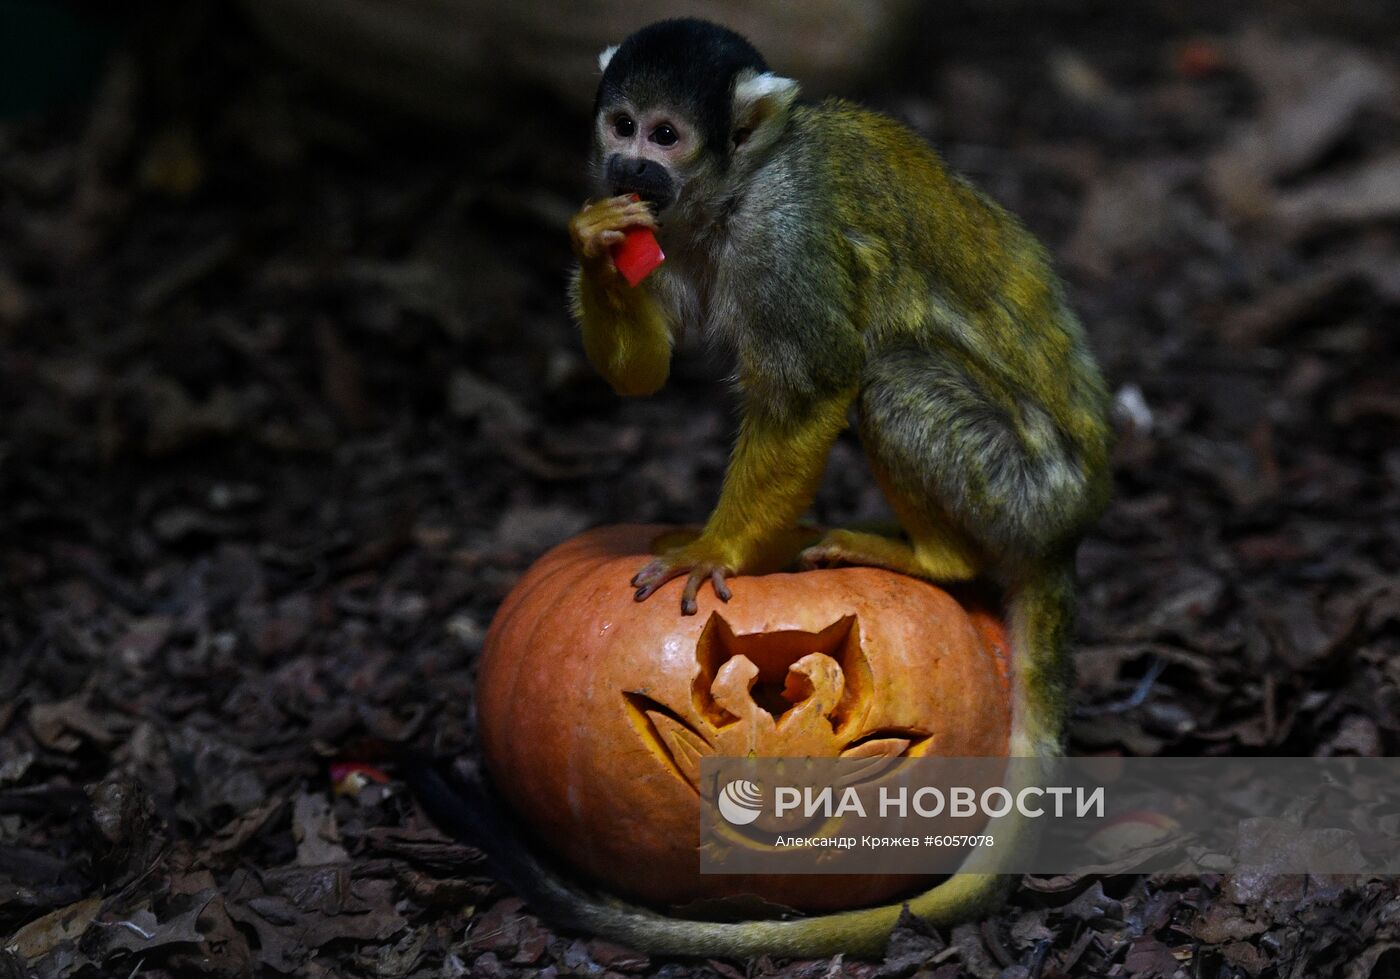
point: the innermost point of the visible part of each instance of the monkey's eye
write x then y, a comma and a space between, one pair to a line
624, 126
664, 135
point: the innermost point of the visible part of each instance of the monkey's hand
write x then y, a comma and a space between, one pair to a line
626, 335
704, 559
598, 226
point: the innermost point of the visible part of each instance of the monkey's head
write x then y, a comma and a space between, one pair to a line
684, 111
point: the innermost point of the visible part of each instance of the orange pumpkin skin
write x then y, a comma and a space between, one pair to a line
580, 687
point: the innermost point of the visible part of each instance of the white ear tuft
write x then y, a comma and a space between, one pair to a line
761, 104
605, 55
751, 88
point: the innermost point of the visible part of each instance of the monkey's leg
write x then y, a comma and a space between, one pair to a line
935, 550
772, 477
984, 470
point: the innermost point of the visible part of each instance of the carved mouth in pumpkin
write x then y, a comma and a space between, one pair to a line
771, 694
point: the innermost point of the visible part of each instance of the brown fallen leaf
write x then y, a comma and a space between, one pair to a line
142, 931
63, 725
1150, 959
1369, 192
42, 935
239, 830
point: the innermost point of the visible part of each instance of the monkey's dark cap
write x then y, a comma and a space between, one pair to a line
686, 63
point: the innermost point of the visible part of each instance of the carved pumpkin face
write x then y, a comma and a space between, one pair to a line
595, 710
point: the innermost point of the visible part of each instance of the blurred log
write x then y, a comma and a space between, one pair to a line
462, 61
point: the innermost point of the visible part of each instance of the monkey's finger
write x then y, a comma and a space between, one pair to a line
619, 220
587, 223
652, 577
604, 217
595, 243
630, 221
637, 214
655, 577
604, 206
692, 588
718, 583
648, 590
605, 214
620, 213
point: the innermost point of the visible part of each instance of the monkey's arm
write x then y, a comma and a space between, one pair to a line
625, 335
773, 474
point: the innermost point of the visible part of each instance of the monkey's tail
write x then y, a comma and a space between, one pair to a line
1038, 615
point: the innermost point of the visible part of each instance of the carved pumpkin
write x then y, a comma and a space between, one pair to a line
594, 709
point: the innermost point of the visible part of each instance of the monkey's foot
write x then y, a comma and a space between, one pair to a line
857, 547
699, 559
921, 560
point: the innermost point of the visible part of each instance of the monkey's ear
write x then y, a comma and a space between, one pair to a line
605, 55
761, 104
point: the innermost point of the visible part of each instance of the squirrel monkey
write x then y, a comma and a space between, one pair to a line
846, 268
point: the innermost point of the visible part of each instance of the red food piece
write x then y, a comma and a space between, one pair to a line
637, 255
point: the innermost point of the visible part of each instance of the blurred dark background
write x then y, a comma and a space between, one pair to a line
289, 398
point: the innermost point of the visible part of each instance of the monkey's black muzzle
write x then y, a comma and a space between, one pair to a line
649, 180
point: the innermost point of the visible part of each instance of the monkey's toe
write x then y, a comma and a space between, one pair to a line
715, 576
854, 547
820, 556
653, 575
833, 549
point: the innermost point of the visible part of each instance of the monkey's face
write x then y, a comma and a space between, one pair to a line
644, 151
685, 110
